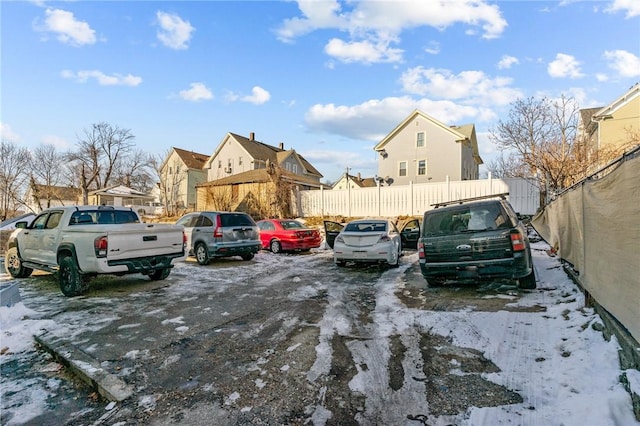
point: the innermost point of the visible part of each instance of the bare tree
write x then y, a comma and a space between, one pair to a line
539, 140
100, 151
47, 171
14, 172
135, 171
169, 180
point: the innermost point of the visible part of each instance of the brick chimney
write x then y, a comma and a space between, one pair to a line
359, 177
281, 145
252, 136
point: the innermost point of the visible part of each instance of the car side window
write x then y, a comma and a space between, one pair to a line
268, 226
188, 221
39, 222
204, 221
54, 220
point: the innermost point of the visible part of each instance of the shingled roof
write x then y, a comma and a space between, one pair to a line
261, 151
192, 160
260, 175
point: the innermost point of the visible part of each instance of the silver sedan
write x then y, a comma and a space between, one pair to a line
368, 241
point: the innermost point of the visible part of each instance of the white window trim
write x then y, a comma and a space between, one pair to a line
406, 167
424, 139
418, 167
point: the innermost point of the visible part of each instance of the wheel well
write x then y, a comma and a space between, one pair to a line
65, 252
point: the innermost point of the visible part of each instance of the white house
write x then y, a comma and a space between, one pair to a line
422, 149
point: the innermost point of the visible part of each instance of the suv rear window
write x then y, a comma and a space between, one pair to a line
236, 219
465, 218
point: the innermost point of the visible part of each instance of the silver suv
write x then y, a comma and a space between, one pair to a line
220, 234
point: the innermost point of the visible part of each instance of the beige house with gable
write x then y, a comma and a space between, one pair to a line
181, 171
236, 154
422, 149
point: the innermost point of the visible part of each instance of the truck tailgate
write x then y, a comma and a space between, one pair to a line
141, 240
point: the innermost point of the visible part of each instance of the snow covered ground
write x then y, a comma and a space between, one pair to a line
566, 372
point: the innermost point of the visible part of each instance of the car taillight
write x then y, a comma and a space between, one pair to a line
517, 241
298, 234
100, 246
420, 250
339, 239
184, 240
384, 238
217, 232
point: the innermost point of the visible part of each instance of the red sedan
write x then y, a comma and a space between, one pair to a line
280, 235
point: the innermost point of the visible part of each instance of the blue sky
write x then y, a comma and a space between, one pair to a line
327, 78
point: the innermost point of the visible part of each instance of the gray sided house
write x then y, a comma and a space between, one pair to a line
422, 149
181, 171
236, 154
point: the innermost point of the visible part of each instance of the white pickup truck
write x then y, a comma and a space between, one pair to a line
78, 242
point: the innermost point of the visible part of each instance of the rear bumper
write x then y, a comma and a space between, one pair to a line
300, 244
475, 270
144, 264
236, 250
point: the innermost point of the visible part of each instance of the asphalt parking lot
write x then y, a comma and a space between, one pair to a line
281, 339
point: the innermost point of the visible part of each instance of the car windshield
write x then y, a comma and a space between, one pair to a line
291, 224
366, 227
464, 219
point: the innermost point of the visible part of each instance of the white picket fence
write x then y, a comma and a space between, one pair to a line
412, 199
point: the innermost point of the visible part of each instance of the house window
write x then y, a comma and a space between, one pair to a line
402, 171
219, 164
170, 170
422, 167
239, 161
287, 166
294, 168
419, 139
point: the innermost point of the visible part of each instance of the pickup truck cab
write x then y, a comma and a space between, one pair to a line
78, 242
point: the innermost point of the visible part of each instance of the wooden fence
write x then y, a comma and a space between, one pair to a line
412, 199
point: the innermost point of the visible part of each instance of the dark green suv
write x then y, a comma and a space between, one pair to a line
475, 239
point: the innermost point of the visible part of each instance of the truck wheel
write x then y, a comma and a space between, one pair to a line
13, 264
276, 246
247, 256
71, 280
202, 255
160, 274
528, 282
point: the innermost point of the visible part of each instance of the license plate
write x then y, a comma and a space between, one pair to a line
359, 254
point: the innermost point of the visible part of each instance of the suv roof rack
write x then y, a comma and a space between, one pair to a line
502, 196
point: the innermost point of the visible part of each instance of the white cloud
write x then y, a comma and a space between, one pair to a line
602, 77
373, 25
564, 66
631, 7
507, 61
374, 119
362, 51
625, 63
258, 96
433, 48
197, 92
174, 32
102, 78
56, 141
7, 134
67, 28
473, 87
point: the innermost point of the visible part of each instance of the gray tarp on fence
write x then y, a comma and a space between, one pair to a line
596, 227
